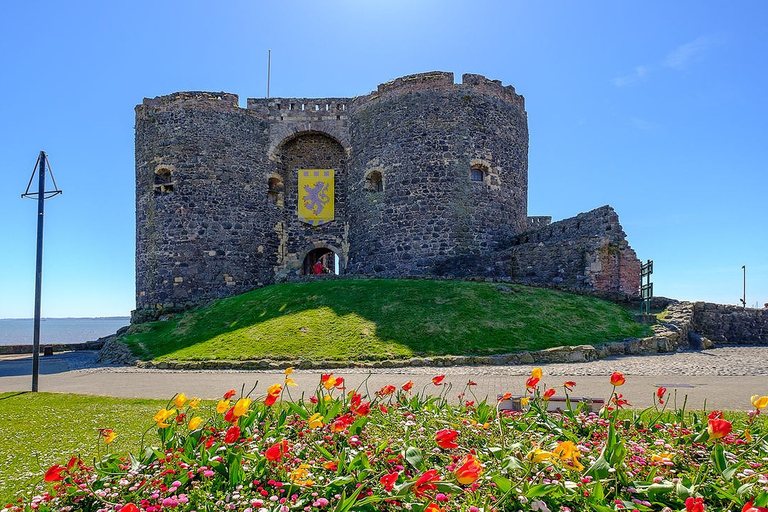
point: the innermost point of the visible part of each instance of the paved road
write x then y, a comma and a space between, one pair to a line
724, 377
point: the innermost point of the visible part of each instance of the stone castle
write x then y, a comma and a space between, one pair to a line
424, 177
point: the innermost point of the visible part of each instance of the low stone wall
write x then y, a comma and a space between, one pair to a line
724, 323
57, 347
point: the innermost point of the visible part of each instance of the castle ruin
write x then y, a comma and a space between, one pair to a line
422, 177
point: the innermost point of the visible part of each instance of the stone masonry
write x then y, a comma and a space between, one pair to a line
431, 178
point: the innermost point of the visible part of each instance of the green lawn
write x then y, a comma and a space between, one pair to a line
382, 319
38, 430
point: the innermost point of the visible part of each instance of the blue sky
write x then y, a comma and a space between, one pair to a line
657, 108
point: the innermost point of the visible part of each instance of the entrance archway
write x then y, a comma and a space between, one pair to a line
328, 259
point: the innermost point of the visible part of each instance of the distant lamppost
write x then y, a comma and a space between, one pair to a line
42, 195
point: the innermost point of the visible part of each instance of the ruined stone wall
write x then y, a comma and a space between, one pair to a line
424, 135
586, 251
724, 323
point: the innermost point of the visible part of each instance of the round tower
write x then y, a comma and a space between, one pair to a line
203, 222
438, 173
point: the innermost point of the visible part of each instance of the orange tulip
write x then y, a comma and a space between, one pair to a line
433, 507
408, 386
469, 470
437, 380
229, 394
276, 451
617, 379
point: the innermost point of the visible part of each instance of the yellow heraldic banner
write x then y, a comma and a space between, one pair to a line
316, 196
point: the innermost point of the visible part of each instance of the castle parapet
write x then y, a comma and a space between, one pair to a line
444, 81
191, 100
301, 109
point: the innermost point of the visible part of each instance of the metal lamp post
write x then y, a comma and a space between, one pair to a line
42, 195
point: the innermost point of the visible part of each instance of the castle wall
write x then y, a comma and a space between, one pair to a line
586, 251
423, 134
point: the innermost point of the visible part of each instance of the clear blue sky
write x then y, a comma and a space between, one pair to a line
657, 108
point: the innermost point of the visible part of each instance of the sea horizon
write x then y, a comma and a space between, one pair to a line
59, 330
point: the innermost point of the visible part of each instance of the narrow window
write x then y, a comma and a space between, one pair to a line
373, 182
477, 173
275, 191
163, 182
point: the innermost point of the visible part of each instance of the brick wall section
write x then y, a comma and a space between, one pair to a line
586, 251
724, 323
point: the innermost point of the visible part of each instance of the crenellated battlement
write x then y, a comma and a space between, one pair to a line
301, 109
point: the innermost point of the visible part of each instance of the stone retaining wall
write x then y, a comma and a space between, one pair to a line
724, 323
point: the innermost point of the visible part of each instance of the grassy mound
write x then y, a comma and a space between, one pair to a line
382, 319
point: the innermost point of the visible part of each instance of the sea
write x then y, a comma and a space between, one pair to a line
20, 331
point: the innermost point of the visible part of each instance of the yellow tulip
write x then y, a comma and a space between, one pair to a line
180, 400
241, 407
288, 371
760, 402
536, 373
194, 423
569, 453
162, 416
524, 401
290, 382
274, 389
539, 455
194, 403
109, 435
663, 457
315, 421
300, 476
222, 406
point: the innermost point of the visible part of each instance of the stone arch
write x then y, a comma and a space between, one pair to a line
284, 134
317, 250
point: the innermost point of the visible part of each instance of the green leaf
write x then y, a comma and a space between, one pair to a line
414, 457
539, 490
236, 473
718, 458
496, 451
357, 426
502, 483
599, 469
298, 410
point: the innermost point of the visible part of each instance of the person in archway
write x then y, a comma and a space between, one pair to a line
318, 269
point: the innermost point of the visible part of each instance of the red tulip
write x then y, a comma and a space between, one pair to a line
130, 507
719, 428
694, 504
54, 474
549, 394
425, 483
660, 394
408, 386
233, 434
276, 451
531, 382
748, 507
388, 481
568, 385
433, 507
229, 394
617, 379
437, 380
446, 438
270, 400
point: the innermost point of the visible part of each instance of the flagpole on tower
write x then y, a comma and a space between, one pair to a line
269, 69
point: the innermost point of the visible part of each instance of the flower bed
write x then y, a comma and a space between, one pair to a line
399, 448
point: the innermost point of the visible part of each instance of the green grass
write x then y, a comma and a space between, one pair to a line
39, 430
382, 319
